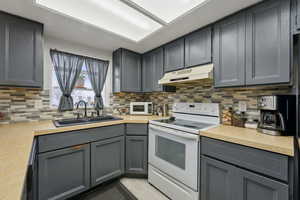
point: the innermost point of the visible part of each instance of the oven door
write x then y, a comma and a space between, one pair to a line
175, 153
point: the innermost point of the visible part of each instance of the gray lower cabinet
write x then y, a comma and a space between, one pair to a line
198, 48
268, 43
252, 186
174, 55
107, 160
64, 173
221, 181
137, 155
21, 55
229, 51
127, 71
217, 180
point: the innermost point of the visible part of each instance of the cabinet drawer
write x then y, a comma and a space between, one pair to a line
137, 129
268, 163
70, 138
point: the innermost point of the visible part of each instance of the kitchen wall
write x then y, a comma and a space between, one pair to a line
21, 104
203, 92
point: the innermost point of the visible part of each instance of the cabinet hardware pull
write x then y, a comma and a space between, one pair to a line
77, 147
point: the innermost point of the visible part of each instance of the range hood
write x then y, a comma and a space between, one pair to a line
203, 72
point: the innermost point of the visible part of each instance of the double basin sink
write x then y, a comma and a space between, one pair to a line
81, 121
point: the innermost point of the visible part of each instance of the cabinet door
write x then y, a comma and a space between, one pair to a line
148, 72
251, 186
64, 173
268, 43
131, 71
217, 179
158, 69
117, 63
198, 48
174, 55
229, 52
107, 160
137, 155
21, 56
295, 16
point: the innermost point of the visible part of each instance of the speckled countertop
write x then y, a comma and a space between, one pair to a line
252, 138
16, 142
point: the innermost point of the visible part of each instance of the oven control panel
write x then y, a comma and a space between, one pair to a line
210, 109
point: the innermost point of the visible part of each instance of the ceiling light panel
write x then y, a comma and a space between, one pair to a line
168, 10
111, 15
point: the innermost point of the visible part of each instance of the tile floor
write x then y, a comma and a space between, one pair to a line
142, 190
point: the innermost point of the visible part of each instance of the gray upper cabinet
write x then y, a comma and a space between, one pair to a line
21, 55
296, 16
64, 173
174, 55
268, 43
229, 51
137, 155
217, 179
153, 71
198, 48
250, 186
159, 70
107, 160
127, 71
148, 72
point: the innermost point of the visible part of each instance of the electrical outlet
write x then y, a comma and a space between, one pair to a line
242, 106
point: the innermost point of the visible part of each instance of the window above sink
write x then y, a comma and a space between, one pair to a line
83, 90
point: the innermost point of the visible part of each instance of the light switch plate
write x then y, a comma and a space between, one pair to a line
242, 106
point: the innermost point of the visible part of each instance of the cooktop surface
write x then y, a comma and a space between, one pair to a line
185, 123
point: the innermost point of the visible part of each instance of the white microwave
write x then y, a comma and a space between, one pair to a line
141, 108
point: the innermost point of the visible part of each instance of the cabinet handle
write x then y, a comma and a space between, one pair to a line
77, 147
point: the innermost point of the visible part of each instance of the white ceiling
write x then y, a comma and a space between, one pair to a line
69, 29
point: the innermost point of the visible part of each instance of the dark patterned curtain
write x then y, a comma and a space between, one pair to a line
67, 69
97, 71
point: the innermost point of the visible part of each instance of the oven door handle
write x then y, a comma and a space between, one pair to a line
181, 134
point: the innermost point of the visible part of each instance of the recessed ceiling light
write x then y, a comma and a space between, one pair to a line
168, 10
111, 15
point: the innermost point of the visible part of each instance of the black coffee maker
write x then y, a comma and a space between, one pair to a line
277, 115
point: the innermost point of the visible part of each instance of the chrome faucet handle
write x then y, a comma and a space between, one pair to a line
77, 114
93, 113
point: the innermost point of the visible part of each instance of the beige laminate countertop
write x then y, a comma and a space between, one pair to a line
252, 138
16, 142
15, 148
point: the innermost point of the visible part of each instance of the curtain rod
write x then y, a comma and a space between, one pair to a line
72, 54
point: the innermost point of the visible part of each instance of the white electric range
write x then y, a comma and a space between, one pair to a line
174, 149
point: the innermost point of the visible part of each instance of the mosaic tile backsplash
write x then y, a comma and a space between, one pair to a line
22, 105
27, 105
203, 93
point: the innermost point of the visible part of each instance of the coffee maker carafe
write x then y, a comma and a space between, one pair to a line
277, 114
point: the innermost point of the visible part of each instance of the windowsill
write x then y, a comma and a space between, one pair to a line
78, 88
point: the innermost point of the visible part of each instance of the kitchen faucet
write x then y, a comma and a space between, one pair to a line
85, 108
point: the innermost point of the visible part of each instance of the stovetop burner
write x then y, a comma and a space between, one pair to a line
185, 123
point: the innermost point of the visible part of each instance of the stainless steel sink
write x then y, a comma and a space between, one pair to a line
80, 121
